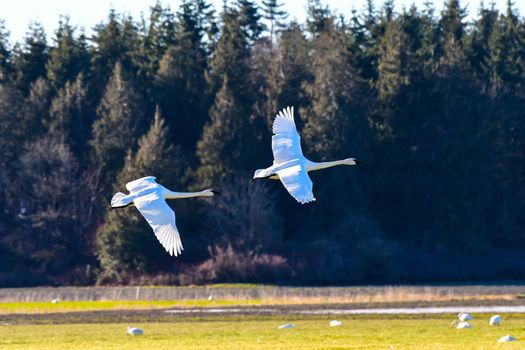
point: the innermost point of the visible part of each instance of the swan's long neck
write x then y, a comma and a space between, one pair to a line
179, 195
313, 166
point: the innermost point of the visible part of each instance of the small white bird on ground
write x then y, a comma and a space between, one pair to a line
134, 331
506, 338
289, 164
495, 320
463, 325
463, 316
335, 323
150, 199
54, 301
286, 326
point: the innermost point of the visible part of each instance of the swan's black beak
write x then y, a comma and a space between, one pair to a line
216, 193
357, 162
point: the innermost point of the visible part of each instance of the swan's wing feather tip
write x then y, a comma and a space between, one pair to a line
161, 218
284, 122
297, 182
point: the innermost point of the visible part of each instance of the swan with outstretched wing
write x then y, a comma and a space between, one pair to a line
289, 164
150, 199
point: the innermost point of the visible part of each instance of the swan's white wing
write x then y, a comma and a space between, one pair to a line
161, 218
136, 185
284, 122
286, 147
296, 180
286, 143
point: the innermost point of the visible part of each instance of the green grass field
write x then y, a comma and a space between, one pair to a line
239, 333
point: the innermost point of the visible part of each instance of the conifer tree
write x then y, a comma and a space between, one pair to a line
69, 121
287, 72
69, 57
402, 58
35, 112
180, 82
333, 92
121, 121
30, 58
452, 33
335, 123
317, 17
11, 130
231, 53
157, 37
229, 133
479, 45
224, 145
114, 41
392, 61
507, 55
250, 19
272, 12
5, 53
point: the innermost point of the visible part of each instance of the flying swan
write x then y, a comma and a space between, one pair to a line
290, 165
150, 199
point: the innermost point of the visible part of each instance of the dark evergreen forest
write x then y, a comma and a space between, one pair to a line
431, 103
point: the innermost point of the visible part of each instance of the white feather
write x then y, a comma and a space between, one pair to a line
161, 218
296, 180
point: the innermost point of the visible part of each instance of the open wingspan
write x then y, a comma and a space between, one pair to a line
286, 143
161, 218
297, 182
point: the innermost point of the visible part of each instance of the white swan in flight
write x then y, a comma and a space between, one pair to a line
289, 164
150, 199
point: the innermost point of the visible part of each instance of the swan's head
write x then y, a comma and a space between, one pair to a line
351, 161
210, 193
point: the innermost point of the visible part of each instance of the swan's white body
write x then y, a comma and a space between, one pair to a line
464, 325
150, 199
495, 320
134, 331
463, 316
290, 165
286, 326
506, 338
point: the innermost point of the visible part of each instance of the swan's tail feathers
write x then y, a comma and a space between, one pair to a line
262, 173
120, 200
